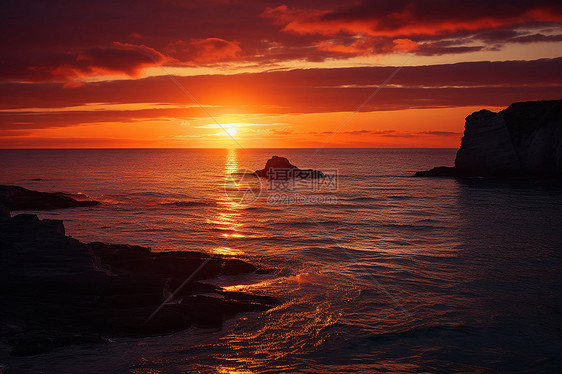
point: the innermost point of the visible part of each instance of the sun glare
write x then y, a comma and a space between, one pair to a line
231, 131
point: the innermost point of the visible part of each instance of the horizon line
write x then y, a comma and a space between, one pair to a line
235, 148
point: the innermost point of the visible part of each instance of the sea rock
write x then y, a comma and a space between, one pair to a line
19, 198
523, 140
280, 168
35, 249
176, 264
235, 266
53, 287
439, 171
32, 346
207, 311
4, 212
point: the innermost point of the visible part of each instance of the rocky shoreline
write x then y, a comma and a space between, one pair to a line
19, 198
57, 291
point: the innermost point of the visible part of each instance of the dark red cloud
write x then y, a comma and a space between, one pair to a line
299, 100
58, 40
120, 58
376, 26
203, 50
298, 91
64, 41
411, 17
533, 38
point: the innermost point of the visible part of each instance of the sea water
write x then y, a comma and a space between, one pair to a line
379, 272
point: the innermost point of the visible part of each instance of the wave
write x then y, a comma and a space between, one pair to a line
409, 227
341, 205
307, 223
188, 204
429, 220
427, 331
261, 209
148, 193
400, 197
363, 199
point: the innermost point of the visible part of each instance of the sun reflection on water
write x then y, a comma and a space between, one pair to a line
229, 219
248, 287
285, 328
227, 251
226, 370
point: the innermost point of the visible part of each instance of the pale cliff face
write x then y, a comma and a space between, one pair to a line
525, 137
486, 144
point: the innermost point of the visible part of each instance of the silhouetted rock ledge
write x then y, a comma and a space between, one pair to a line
56, 291
522, 141
19, 198
280, 168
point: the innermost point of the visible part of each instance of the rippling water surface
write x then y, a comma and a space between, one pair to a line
388, 273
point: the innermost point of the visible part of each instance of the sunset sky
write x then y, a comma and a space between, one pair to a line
111, 74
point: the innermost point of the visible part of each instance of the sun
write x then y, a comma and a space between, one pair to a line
231, 131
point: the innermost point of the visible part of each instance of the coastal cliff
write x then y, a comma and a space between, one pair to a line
522, 140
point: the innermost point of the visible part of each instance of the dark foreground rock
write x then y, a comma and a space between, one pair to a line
522, 141
19, 198
176, 265
280, 168
34, 345
56, 291
440, 171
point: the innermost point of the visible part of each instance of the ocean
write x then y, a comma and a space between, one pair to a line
377, 272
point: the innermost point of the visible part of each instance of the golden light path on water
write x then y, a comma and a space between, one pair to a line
283, 329
229, 218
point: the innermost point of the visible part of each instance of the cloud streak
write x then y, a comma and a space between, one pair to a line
66, 42
61, 59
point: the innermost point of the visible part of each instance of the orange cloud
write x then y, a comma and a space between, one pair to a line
363, 46
283, 15
304, 91
201, 51
407, 21
119, 59
404, 45
128, 59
